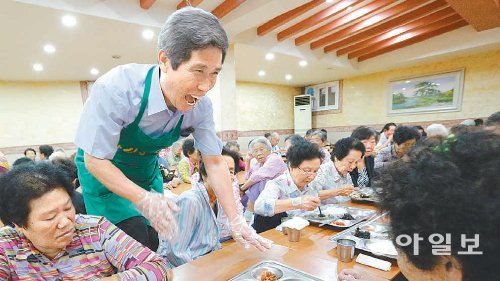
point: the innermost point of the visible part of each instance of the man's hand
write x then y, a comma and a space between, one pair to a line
159, 210
245, 235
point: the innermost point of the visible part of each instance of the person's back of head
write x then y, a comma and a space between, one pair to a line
437, 130
448, 189
45, 151
493, 119
188, 147
364, 133
479, 122
23, 161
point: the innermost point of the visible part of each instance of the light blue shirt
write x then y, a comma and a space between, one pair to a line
198, 231
280, 188
114, 103
329, 178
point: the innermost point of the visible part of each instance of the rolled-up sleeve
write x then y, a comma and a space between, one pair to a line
266, 202
132, 260
205, 137
104, 115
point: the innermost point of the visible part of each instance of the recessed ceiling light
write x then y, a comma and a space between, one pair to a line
262, 73
329, 1
288, 77
269, 56
407, 81
68, 20
303, 63
37, 67
49, 49
148, 34
94, 71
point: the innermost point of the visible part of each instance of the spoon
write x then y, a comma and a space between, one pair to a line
320, 213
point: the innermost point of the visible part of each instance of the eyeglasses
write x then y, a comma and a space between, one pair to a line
308, 173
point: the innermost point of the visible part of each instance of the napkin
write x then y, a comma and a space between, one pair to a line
296, 223
373, 262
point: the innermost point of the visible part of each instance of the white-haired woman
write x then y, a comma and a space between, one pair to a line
270, 165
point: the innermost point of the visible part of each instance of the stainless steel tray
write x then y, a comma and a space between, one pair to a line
379, 244
365, 194
333, 214
283, 272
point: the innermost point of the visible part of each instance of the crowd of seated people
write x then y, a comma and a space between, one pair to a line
415, 167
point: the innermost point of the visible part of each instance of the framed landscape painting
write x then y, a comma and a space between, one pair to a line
439, 92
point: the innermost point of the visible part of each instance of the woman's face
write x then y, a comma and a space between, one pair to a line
260, 151
51, 222
195, 157
390, 132
369, 144
317, 140
305, 172
348, 163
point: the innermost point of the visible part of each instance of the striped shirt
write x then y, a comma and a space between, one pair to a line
98, 249
198, 231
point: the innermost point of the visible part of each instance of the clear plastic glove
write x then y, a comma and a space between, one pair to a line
159, 210
246, 235
353, 275
309, 203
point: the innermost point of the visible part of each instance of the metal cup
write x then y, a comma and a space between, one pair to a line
345, 249
293, 235
284, 229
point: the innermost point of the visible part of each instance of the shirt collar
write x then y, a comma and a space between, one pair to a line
335, 173
291, 186
156, 101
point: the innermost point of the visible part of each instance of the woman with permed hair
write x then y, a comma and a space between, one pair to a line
448, 191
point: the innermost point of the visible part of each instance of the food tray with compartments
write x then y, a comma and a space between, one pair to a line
338, 216
281, 271
372, 236
365, 195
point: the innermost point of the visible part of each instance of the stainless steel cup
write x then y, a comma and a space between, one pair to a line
345, 249
293, 235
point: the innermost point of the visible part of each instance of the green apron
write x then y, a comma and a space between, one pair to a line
137, 158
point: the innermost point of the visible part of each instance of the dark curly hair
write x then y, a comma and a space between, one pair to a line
493, 119
405, 133
343, 146
25, 183
303, 151
449, 188
188, 147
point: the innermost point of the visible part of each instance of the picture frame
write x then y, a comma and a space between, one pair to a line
440, 92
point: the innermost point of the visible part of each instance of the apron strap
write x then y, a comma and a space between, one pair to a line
145, 96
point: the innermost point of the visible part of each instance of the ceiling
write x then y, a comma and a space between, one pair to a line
336, 41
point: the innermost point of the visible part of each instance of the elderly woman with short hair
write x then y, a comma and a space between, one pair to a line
364, 172
270, 165
45, 240
319, 137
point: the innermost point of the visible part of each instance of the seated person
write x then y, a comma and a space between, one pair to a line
450, 189
364, 173
270, 165
234, 146
386, 135
174, 156
405, 137
191, 163
290, 192
202, 219
333, 178
68, 166
45, 240
30, 153
319, 138
4, 164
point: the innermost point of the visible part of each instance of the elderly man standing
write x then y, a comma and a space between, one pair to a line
135, 110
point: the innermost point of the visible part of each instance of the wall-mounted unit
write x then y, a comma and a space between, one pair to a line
302, 114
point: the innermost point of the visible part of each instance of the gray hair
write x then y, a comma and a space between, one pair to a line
230, 144
274, 135
190, 29
437, 130
321, 134
177, 144
262, 140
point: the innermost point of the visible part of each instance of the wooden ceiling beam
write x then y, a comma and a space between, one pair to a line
146, 4
378, 17
391, 24
481, 14
413, 40
184, 3
405, 36
286, 17
320, 16
445, 13
226, 7
360, 13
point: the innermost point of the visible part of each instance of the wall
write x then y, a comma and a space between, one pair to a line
35, 113
365, 97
